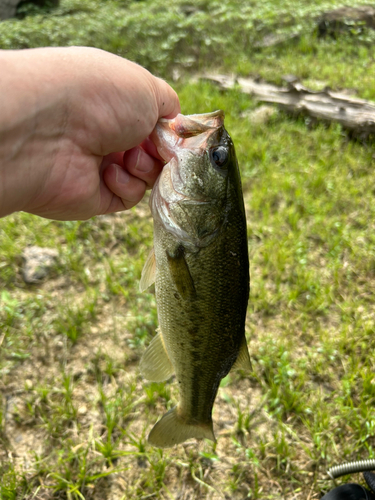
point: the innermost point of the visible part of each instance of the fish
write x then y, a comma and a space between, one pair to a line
200, 267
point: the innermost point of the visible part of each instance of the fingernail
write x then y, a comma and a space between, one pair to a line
122, 177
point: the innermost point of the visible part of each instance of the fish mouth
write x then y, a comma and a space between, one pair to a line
192, 132
193, 125
176, 139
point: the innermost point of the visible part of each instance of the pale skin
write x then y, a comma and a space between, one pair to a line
74, 127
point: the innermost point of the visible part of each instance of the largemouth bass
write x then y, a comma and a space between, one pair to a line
200, 267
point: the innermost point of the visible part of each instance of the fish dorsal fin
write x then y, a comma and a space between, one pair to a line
243, 359
180, 272
148, 272
155, 364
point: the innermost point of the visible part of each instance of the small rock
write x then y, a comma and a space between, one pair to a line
290, 79
82, 410
59, 344
276, 39
37, 263
176, 74
18, 438
260, 115
28, 383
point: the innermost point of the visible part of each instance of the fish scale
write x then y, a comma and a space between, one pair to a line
201, 272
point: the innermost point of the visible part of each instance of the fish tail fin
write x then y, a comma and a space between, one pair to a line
171, 429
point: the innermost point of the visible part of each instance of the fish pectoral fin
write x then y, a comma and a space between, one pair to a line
172, 429
155, 364
243, 359
180, 273
148, 272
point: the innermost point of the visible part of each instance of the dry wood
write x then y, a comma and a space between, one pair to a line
356, 115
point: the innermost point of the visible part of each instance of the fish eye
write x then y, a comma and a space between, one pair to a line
219, 156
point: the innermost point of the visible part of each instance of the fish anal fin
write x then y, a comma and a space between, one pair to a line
243, 359
148, 272
180, 273
155, 364
171, 429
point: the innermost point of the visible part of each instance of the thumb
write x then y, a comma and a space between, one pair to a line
167, 99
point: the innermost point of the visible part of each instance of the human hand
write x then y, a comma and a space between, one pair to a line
74, 132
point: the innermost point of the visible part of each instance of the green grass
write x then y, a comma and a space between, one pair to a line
74, 410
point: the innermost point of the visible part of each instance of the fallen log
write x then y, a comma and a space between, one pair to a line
355, 115
346, 20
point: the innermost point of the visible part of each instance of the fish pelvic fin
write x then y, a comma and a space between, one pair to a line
243, 361
171, 429
155, 364
148, 272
